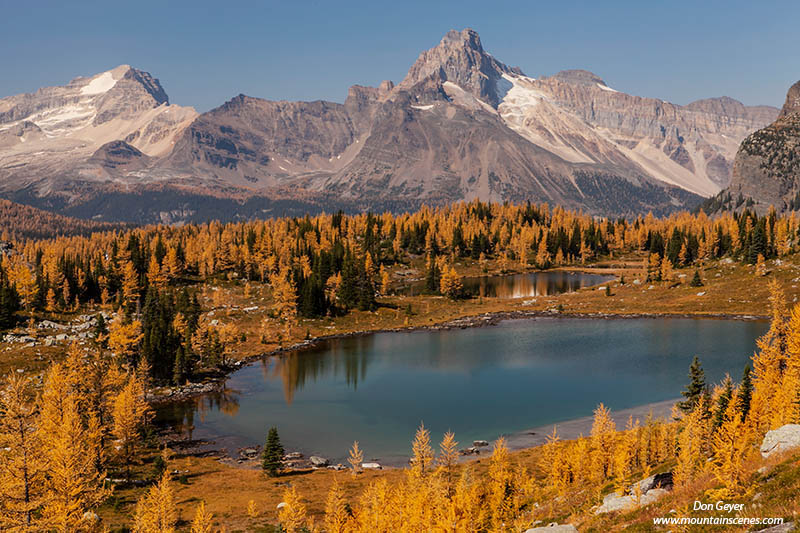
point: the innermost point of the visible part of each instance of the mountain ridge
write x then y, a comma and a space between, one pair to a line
460, 125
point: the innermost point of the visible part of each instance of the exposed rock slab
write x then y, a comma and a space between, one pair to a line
780, 440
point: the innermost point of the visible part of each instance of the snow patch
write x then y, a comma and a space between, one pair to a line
518, 99
99, 85
607, 88
421, 107
280, 167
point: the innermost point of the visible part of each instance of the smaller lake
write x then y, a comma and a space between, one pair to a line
524, 285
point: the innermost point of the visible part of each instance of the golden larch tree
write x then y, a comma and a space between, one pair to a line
203, 520
124, 339
731, 447
23, 470
73, 485
356, 458
448, 459
422, 452
337, 518
130, 413
292, 515
155, 511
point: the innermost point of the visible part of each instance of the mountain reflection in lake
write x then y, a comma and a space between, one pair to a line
525, 285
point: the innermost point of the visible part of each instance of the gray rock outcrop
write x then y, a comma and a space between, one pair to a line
766, 170
553, 528
781, 440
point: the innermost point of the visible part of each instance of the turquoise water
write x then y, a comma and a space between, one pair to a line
478, 382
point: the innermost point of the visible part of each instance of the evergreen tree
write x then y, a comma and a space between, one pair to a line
432, 277
696, 281
347, 292
9, 304
758, 243
696, 388
365, 289
723, 401
272, 456
745, 394
160, 341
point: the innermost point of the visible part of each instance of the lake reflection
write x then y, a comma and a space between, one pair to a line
478, 382
525, 285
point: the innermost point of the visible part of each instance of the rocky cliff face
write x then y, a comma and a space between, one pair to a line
460, 125
767, 167
577, 115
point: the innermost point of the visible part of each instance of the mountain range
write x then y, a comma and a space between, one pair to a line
461, 125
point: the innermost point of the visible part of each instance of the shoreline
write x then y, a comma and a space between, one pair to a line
576, 427
158, 397
526, 439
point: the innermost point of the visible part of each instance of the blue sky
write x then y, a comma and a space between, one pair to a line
204, 53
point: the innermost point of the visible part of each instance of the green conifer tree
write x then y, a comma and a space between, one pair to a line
273, 453
696, 388
745, 393
723, 401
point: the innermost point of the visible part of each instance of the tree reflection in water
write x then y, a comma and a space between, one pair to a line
332, 358
525, 285
180, 415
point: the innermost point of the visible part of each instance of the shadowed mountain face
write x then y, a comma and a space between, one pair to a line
766, 171
461, 125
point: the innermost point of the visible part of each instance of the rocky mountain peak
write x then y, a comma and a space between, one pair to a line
460, 58
148, 83
466, 37
579, 77
792, 104
115, 81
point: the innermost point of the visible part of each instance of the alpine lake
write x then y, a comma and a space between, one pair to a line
478, 382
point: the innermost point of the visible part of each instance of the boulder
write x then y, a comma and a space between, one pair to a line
615, 502
663, 481
48, 324
371, 466
281, 505
553, 528
780, 440
248, 453
292, 456
318, 461
480, 443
